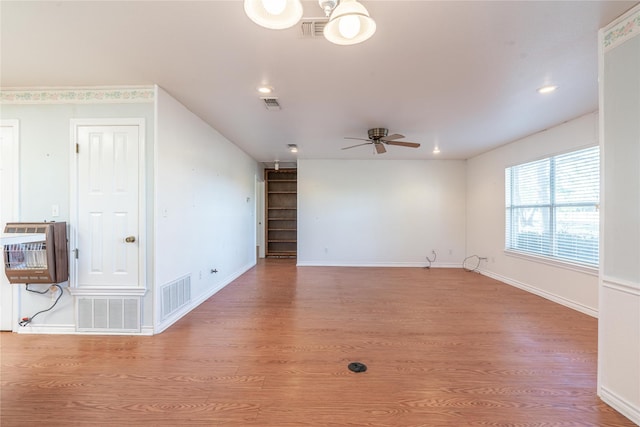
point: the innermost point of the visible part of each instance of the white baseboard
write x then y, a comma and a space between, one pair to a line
541, 293
621, 405
47, 329
162, 326
376, 264
71, 330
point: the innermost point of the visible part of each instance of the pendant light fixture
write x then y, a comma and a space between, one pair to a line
274, 14
349, 23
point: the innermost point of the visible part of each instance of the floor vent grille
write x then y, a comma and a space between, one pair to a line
175, 295
108, 314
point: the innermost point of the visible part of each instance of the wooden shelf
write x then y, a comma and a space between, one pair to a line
281, 198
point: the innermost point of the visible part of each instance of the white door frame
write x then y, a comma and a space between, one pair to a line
142, 211
14, 215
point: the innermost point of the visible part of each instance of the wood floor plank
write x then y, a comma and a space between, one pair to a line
443, 347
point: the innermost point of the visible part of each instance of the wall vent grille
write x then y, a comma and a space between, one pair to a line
312, 28
108, 314
175, 295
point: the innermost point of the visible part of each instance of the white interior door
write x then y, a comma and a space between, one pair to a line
107, 182
9, 190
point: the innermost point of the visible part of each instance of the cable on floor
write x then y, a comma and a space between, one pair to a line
431, 260
468, 263
26, 320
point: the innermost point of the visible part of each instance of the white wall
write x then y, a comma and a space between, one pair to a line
619, 321
204, 204
486, 216
381, 212
200, 195
45, 145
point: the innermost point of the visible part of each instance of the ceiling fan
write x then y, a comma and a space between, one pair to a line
379, 136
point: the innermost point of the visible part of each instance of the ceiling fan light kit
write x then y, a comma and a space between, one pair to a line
349, 21
274, 14
379, 137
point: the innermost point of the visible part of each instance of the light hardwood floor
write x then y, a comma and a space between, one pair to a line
443, 347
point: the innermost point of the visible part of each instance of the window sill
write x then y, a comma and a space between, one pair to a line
593, 271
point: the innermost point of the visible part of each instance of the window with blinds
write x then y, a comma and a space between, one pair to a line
552, 207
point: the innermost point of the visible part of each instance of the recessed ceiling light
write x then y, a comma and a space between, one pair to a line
436, 150
547, 89
265, 89
293, 148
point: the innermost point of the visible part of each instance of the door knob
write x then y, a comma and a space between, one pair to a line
130, 239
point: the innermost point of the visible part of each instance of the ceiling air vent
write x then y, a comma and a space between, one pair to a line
312, 28
271, 103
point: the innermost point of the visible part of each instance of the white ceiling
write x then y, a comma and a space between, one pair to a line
458, 74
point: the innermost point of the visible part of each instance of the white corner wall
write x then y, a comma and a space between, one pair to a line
486, 216
204, 206
381, 213
45, 145
619, 320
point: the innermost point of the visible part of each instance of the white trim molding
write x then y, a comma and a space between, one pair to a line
104, 291
47, 329
590, 311
621, 285
71, 330
621, 405
377, 264
622, 29
97, 95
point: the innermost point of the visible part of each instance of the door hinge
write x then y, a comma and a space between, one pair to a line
75, 253
77, 148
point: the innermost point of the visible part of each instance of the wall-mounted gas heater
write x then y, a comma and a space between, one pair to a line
43, 261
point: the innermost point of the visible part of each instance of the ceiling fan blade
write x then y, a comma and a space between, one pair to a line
403, 143
380, 148
392, 137
357, 145
360, 139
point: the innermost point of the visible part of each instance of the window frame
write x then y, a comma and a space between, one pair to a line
551, 208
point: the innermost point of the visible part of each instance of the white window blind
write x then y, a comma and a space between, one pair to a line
552, 207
